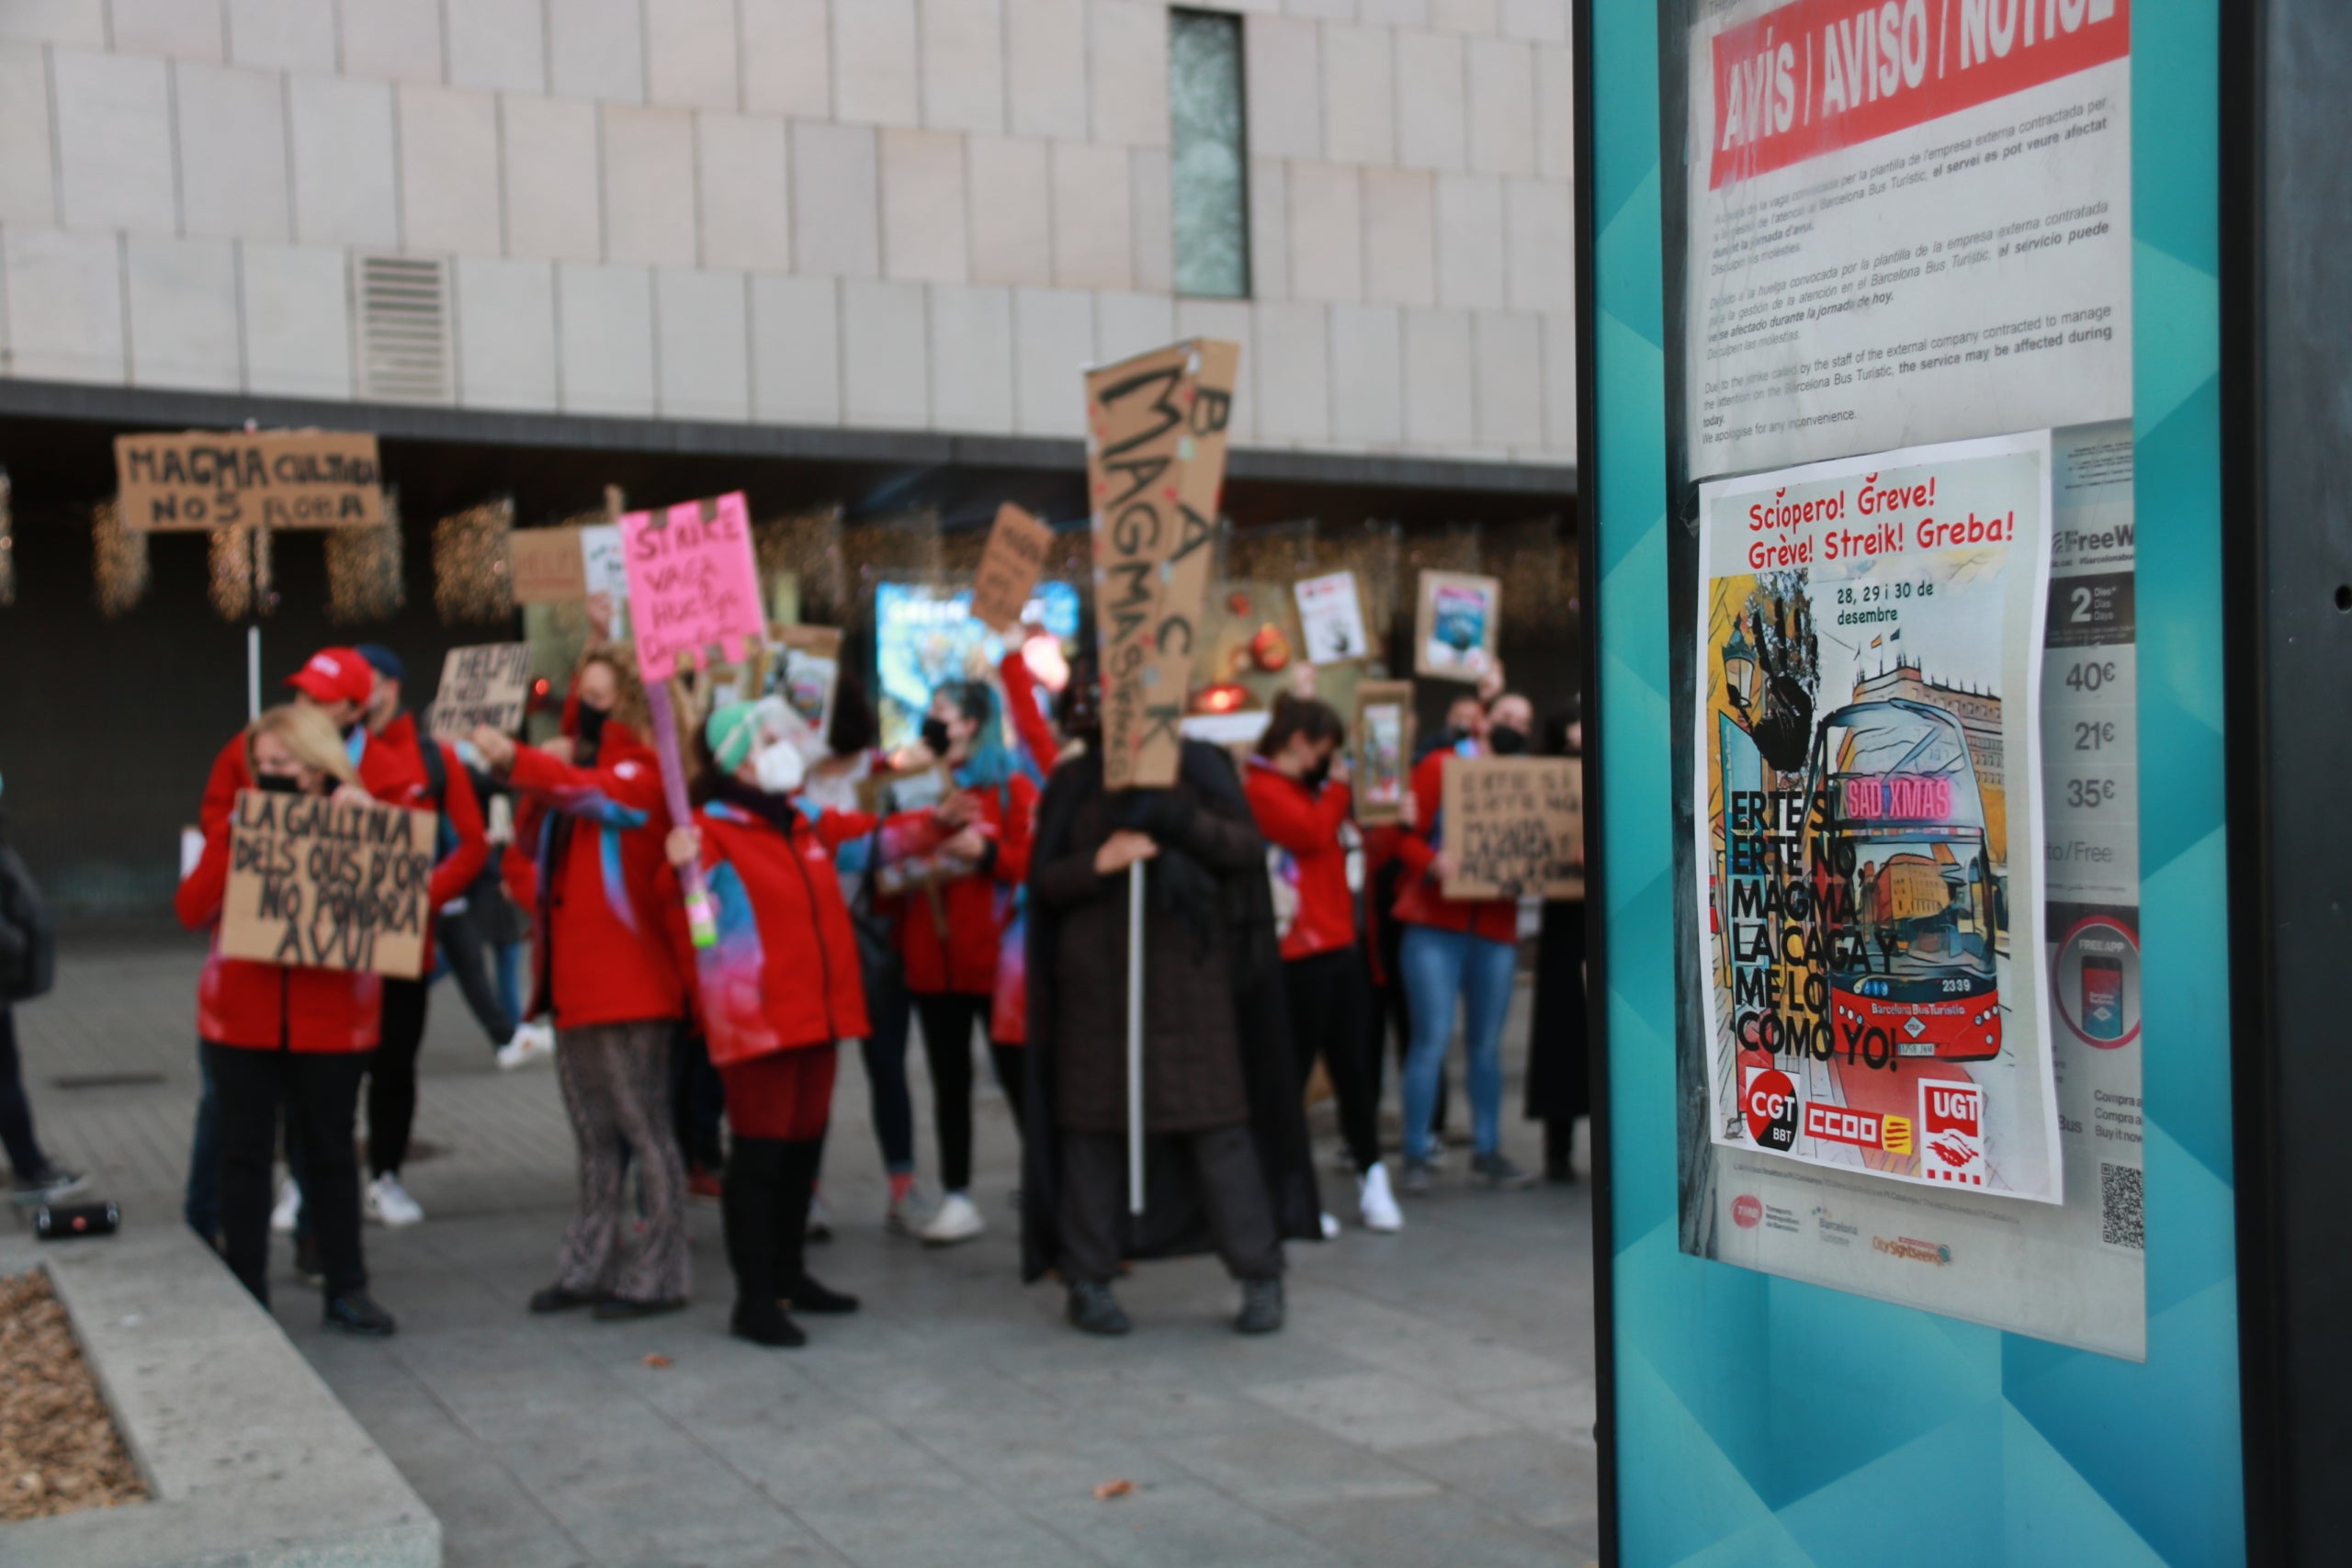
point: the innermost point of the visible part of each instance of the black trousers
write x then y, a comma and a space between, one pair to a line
319, 1091
949, 1018
1330, 1017
464, 943
391, 1075
1225, 1166
25, 1159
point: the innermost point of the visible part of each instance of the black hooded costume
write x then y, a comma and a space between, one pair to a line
1235, 909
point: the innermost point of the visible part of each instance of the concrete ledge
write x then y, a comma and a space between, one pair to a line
251, 1460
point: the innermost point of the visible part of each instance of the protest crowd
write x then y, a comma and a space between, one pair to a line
1280, 933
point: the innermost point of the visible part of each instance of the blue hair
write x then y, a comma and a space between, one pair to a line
989, 764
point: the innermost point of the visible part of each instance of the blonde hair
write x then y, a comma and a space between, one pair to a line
309, 734
628, 686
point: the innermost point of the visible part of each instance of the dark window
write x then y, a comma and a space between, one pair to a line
1209, 154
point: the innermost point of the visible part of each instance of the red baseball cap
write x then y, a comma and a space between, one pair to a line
335, 675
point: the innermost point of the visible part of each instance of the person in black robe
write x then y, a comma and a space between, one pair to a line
1558, 1088
1227, 1160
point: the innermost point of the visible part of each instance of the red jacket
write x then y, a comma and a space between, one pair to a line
784, 973
270, 1007
392, 768
599, 938
1303, 824
1420, 897
973, 910
1028, 719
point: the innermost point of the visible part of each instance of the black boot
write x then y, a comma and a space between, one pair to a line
747, 1204
1094, 1310
356, 1313
799, 1189
1262, 1305
1559, 1149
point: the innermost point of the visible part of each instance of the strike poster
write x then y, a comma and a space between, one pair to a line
1911, 224
1870, 668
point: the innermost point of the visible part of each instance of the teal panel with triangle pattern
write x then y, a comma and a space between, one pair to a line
1933, 1440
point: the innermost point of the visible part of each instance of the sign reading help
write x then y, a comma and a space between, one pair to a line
692, 581
248, 479
1515, 826
317, 885
489, 683
1155, 465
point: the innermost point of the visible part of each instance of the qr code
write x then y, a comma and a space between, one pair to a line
2122, 1220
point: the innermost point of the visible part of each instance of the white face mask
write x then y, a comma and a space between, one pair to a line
780, 768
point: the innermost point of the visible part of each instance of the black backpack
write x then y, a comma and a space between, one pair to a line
27, 942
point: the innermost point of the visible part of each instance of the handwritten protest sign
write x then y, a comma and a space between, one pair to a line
547, 566
1515, 827
1155, 462
314, 884
245, 478
806, 673
1383, 748
487, 684
1010, 567
692, 581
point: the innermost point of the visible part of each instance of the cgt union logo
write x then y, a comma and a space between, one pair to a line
1771, 1106
1952, 1132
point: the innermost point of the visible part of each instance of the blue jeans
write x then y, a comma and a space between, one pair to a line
506, 970
1439, 966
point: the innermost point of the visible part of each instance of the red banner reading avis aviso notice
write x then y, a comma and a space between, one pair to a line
1817, 75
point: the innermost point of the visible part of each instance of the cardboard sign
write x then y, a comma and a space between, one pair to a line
1382, 749
1454, 625
321, 885
1010, 567
1515, 827
888, 791
1330, 618
487, 684
547, 566
1155, 465
806, 673
247, 478
692, 581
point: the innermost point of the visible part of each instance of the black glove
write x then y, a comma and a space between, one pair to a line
1164, 814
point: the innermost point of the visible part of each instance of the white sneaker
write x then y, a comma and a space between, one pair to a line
1330, 1226
1378, 1205
388, 1203
958, 1219
290, 1208
531, 1042
820, 1221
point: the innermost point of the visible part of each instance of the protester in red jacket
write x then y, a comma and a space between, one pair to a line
951, 931
1456, 951
396, 767
274, 1032
605, 970
775, 994
1298, 792
335, 680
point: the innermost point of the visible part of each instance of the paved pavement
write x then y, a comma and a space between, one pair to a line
1432, 1399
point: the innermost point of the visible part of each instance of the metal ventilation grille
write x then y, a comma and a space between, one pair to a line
403, 329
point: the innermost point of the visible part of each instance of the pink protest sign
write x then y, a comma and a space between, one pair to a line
692, 581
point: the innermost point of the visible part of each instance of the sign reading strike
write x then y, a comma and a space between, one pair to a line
489, 683
692, 581
1515, 827
320, 885
240, 478
1010, 568
1155, 465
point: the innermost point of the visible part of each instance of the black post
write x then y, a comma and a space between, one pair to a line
2286, 459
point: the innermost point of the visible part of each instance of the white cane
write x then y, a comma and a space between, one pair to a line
1134, 1038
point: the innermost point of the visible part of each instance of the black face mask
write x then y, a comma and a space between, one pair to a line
278, 783
592, 724
934, 735
1317, 776
348, 730
1504, 741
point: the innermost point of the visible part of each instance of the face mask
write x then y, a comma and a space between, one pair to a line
348, 730
592, 724
1318, 775
780, 769
1504, 741
934, 735
278, 783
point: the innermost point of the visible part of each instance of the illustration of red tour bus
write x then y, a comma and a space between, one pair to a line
1913, 974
